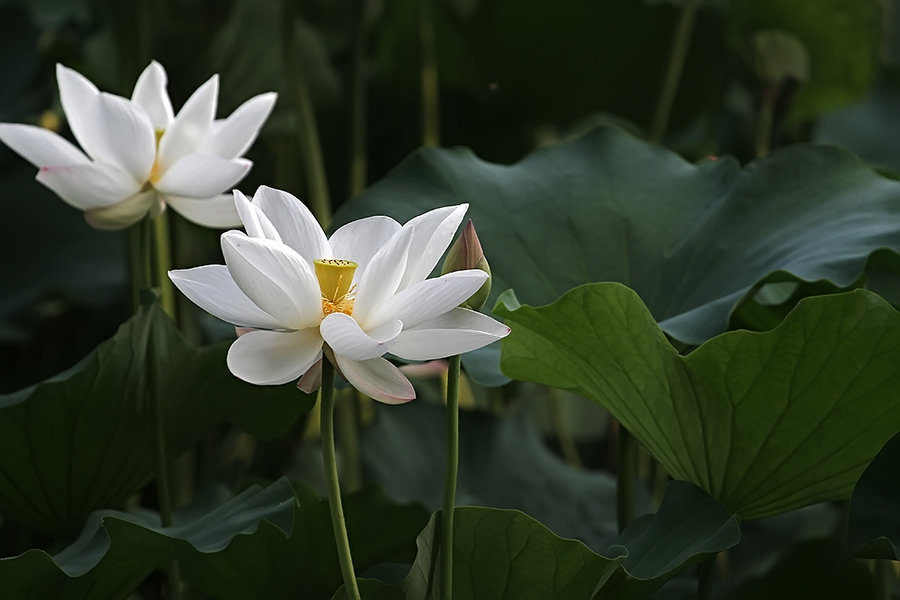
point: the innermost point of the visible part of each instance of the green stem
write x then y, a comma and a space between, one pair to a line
677, 55
884, 576
163, 262
563, 436
706, 575
626, 478
326, 394
431, 121
138, 262
358, 162
450, 478
308, 132
764, 120
347, 422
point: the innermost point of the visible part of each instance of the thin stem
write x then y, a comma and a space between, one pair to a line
706, 575
450, 478
164, 495
563, 436
626, 478
358, 121
163, 262
764, 120
341, 541
308, 132
431, 120
677, 55
347, 422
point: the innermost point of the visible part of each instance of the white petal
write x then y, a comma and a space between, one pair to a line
457, 331
344, 335
232, 137
294, 221
434, 232
190, 128
312, 379
89, 185
255, 222
79, 99
212, 288
428, 299
151, 95
125, 213
275, 278
125, 136
382, 275
274, 357
378, 379
217, 212
359, 240
41, 147
202, 175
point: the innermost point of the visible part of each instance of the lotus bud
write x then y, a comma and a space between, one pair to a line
466, 253
778, 56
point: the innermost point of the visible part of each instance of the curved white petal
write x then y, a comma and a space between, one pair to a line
457, 331
255, 222
359, 240
295, 223
190, 127
202, 175
232, 137
434, 232
344, 335
378, 379
428, 299
382, 275
79, 99
274, 357
217, 212
151, 95
312, 379
89, 185
275, 278
212, 288
125, 136
41, 147
127, 212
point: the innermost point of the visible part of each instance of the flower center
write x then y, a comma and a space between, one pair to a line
335, 279
154, 171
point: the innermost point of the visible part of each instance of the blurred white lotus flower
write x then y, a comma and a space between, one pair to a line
137, 157
357, 295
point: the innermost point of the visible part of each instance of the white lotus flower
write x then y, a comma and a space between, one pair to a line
137, 156
357, 295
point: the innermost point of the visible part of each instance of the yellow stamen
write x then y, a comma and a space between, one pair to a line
335, 280
154, 171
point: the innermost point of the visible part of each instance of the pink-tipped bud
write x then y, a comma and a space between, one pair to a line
466, 253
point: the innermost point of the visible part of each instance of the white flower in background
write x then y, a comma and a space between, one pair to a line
137, 157
358, 295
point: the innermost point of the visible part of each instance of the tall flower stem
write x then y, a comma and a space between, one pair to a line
308, 132
764, 120
677, 55
341, 541
450, 478
163, 262
358, 120
431, 120
626, 478
161, 459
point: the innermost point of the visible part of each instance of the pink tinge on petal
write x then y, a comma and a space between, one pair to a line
432, 368
239, 331
312, 379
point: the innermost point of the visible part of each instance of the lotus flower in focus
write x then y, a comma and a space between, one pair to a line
355, 296
137, 157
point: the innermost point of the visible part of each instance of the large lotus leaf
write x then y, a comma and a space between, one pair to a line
84, 439
691, 240
842, 40
503, 463
874, 526
116, 550
507, 554
305, 565
765, 422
